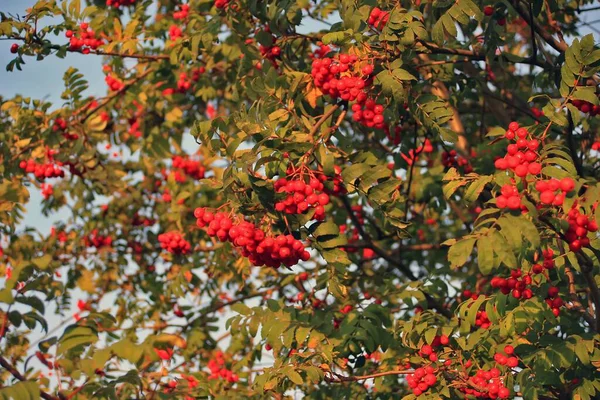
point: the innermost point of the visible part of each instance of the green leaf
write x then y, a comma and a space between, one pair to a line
459, 252
485, 254
75, 336
27, 390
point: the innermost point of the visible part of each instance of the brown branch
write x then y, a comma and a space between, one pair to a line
108, 99
587, 268
341, 378
431, 302
13, 371
322, 120
559, 45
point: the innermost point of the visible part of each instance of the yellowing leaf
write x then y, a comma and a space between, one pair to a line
86, 282
174, 115
312, 93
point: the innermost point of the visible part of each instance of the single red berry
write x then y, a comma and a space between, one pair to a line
14, 48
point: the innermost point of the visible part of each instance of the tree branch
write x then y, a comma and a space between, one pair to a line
13, 371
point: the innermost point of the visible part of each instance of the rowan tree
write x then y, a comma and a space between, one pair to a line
330, 199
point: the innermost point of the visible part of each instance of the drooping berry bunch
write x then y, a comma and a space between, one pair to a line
507, 357
43, 171
184, 9
120, 3
337, 181
221, 4
192, 168
547, 255
139, 220
579, 227
97, 240
486, 385
217, 368
369, 114
270, 52
47, 190
183, 83
301, 195
84, 40
340, 77
378, 18
518, 284
482, 320
521, 157
174, 242
413, 154
60, 125
548, 189
175, 32
554, 301
452, 159
196, 72
260, 248
509, 197
421, 380
586, 107
321, 51
427, 351
114, 83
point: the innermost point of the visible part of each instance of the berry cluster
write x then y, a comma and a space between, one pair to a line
548, 188
114, 83
586, 107
221, 4
270, 52
369, 114
138, 220
192, 168
174, 242
518, 284
486, 385
120, 3
61, 125
175, 32
482, 320
339, 77
321, 51
84, 40
338, 184
97, 240
196, 72
548, 263
428, 351
521, 157
509, 197
579, 226
218, 369
452, 159
554, 301
183, 12
421, 380
253, 242
42, 171
301, 196
346, 309
183, 83
413, 154
507, 357
47, 190
378, 18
